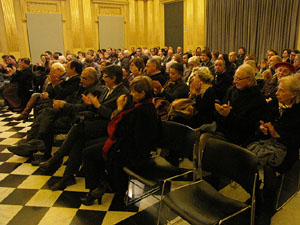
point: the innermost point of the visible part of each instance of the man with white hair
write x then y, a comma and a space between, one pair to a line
243, 108
193, 62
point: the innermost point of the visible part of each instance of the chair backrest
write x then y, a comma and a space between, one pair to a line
231, 161
177, 137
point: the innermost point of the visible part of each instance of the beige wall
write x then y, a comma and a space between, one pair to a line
144, 22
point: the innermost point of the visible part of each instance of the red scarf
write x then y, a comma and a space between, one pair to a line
113, 125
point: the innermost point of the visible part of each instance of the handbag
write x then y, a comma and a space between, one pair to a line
10, 94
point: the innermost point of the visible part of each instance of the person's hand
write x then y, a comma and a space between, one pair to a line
44, 95
224, 109
121, 102
271, 130
157, 87
263, 128
86, 100
195, 87
136, 72
58, 104
94, 100
268, 100
54, 78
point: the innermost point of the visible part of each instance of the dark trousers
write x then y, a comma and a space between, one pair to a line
78, 136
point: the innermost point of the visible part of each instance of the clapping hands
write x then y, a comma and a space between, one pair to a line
224, 109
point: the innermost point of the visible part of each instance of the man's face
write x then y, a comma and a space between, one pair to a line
86, 80
241, 51
109, 82
179, 49
219, 66
232, 57
204, 58
273, 60
120, 56
170, 53
292, 56
185, 58
241, 80
70, 71
150, 68
270, 54
297, 62
139, 51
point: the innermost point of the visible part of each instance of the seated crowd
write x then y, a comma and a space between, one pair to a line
110, 104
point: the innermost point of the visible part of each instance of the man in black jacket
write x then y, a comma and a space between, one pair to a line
57, 119
244, 107
92, 126
223, 80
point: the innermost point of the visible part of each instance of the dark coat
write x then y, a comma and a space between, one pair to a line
205, 109
161, 77
24, 80
137, 133
221, 84
66, 88
174, 91
288, 127
248, 108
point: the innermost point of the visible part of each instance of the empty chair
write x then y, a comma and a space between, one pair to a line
199, 202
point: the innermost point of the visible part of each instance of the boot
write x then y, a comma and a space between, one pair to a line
24, 115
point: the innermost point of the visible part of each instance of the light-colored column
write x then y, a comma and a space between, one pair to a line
10, 25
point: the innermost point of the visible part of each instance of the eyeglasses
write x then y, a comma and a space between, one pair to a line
239, 79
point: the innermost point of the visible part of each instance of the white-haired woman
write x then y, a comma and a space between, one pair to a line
280, 150
202, 97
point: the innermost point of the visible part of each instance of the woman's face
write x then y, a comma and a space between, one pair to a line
137, 96
174, 75
284, 95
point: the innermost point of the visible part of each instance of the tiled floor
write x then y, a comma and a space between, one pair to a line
25, 197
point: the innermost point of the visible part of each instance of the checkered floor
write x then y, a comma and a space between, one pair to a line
25, 196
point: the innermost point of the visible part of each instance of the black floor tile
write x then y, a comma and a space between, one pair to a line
19, 197
8, 167
12, 124
5, 156
69, 199
15, 129
88, 217
18, 135
12, 180
29, 216
3, 147
39, 171
117, 204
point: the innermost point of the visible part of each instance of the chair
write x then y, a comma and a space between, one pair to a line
199, 202
286, 169
175, 137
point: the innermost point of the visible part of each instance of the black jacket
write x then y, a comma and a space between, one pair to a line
248, 108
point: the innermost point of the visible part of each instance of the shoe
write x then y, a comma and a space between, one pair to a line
51, 164
21, 117
95, 194
37, 144
63, 183
24, 149
38, 158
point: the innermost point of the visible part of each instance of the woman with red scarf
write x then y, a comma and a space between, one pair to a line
133, 134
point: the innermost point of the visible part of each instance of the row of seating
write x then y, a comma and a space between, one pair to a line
199, 202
